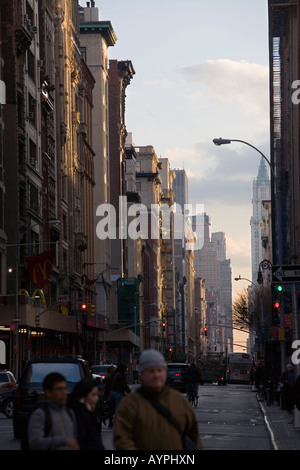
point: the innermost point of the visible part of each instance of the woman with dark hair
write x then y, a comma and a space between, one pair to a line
84, 400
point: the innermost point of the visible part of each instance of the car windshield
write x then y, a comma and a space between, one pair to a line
3, 377
99, 369
37, 372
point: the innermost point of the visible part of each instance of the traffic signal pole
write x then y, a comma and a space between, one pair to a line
295, 337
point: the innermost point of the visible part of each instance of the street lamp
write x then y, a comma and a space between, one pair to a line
245, 279
262, 265
221, 141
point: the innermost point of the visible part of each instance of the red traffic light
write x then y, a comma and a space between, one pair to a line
83, 307
276, 304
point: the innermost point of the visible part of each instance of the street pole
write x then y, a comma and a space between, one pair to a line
295, 338
16, 345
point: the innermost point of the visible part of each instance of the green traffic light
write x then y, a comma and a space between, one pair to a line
279, 288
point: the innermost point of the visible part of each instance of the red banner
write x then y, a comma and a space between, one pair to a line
40, 267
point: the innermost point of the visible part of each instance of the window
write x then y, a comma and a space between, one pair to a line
20, 108
65, 231
83, 52
35, 240
1, 209
22, 201
29, 13
34, 198
30, 65
138, 185
32, 153
21, 148
31, 109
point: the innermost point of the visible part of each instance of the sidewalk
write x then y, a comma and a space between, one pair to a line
280, 425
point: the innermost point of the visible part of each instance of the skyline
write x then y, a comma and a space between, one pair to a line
199, 76
181, 97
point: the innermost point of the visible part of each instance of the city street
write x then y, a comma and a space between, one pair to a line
229, 418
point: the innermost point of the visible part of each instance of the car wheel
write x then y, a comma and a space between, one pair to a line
8, 408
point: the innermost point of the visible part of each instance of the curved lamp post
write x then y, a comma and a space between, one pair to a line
262, 265
221, 141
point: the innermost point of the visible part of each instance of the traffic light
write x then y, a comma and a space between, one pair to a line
278, 288
277, 299
205, 331
91, 310
84, 308
37, 321
276, 312
215, 346
164, 325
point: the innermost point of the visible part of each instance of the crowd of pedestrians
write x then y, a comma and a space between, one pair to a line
154, 417
283, 388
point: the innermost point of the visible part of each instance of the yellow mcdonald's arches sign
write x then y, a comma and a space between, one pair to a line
41, 295
39, 270
23, 292
40, 267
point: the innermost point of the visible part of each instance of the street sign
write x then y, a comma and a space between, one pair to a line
287, 273
17, 319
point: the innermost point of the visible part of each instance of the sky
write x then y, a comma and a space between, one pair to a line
201, 71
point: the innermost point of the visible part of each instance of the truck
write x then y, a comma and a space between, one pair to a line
213, 368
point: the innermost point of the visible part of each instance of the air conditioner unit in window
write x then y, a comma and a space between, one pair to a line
30, 115
33, 29
33, 102
40, 63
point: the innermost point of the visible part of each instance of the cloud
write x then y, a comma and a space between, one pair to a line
230, 82
238, 247
197, 162
217, 175
159, 83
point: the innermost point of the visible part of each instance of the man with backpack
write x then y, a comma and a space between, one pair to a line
52, 425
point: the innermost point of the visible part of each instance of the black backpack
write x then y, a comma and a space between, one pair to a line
48, 424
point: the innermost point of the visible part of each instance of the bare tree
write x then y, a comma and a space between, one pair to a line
252, 308
240, 310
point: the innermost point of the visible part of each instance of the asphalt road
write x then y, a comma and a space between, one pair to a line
229, 418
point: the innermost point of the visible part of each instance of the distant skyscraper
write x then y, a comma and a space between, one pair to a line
180, 187
210, 263
261, 192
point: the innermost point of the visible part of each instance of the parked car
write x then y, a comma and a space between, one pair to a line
7, 381
176, 376
99, 380
7, 403
101, 369
30, 386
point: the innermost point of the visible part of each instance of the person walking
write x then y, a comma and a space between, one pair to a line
138, 423
53, 426
84, 400
260, 380
119, 386
288, 390
109, 401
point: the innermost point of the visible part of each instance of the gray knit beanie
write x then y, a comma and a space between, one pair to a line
151, 358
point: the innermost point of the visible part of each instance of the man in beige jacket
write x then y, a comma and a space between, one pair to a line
139, 426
